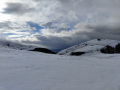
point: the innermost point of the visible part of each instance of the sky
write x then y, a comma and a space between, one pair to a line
59, 24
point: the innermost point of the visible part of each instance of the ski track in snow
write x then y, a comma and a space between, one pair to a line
25, 70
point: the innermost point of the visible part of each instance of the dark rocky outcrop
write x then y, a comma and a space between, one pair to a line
99, 39
44, 50
108, 49
111, 50
77, 53
117, 48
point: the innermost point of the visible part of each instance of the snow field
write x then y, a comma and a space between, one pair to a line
25, 70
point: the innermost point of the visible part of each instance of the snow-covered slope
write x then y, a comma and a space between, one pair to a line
25, 70
90, 46
14, 45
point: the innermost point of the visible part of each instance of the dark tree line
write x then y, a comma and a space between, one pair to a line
111, 50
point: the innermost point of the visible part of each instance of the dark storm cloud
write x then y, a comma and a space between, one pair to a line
109, 31
55, 42
17, 8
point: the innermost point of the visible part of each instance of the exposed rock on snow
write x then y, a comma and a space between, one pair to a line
111, 50
77, 53
43, 50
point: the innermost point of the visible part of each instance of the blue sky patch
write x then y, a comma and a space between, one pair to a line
32, 24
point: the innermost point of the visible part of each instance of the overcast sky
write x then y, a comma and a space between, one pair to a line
58, 24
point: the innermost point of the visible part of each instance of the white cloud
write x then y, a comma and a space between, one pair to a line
53, 30
15, 36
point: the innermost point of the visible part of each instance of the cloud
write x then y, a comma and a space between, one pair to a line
47, 25
76, 35
70, 21
17, 8
16, 36
109, 31
92, 10
2, 37
97, 30
53, 42
53, 30
5, 25
13, 29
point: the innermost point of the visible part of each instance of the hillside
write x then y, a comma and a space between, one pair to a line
25, 70
15, 45
19, 46
89, 47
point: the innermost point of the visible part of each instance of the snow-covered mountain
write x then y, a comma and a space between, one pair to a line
89, 47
